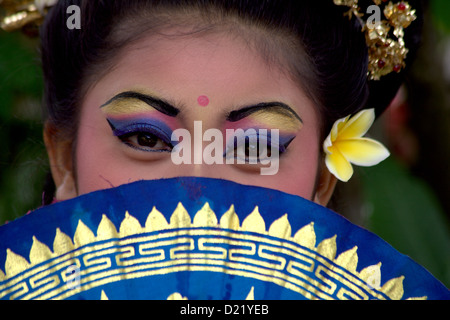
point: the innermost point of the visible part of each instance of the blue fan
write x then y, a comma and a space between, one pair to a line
200, 238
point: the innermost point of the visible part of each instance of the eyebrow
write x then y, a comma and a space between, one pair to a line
277, 107
156, 103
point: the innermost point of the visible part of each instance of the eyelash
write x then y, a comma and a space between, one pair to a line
282, 147
141, 130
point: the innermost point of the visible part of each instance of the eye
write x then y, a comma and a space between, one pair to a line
145, 141
254, 148
142, 136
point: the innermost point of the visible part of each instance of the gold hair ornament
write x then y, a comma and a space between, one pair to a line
386, 53
22, 14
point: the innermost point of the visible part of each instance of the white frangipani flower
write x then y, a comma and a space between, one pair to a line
345, 145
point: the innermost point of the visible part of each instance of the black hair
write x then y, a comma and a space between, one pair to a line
332, 45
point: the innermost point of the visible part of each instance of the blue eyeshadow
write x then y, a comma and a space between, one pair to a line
129, 126
252, 134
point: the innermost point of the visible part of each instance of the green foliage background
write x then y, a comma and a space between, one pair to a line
440, 10
405, 211
23, 160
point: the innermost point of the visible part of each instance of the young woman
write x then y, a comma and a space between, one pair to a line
307, 61
142, 81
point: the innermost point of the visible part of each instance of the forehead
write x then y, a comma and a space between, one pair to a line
225, 68
212, 57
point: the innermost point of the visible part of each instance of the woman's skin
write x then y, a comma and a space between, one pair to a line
202, 78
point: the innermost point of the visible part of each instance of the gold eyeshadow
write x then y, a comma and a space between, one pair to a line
126, 107
277, 115
129, 102
274, 119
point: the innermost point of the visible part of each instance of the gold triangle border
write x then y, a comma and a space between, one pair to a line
205, 217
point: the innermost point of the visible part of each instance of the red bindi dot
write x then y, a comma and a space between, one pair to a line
203, 101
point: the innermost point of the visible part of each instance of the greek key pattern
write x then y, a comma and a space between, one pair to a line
239, 253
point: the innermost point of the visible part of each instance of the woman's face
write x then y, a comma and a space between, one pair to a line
208, 86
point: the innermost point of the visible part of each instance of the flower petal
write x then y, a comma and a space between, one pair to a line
338, 165
358, 125
362, 151
326, 144
337, 127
